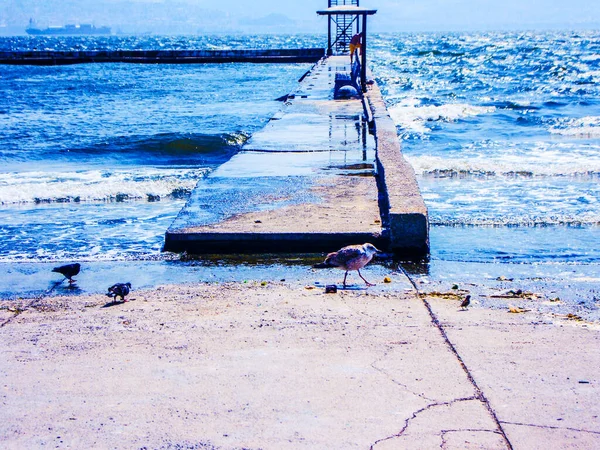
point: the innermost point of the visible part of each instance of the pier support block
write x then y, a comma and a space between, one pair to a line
403, 210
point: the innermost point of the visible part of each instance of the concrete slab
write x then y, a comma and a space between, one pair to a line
289, 214
235, 366
310, 181
540, 377
306, 182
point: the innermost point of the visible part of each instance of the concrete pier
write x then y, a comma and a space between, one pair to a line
404, 212
313, 180
52, 58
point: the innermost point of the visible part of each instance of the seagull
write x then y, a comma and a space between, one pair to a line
69, 271
352, 257
466, 302
119, 290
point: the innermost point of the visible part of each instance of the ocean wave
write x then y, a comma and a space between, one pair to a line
587, 127
150, 184
592, 220
516, 106
440, 53
540, 163
170, 145
412, 116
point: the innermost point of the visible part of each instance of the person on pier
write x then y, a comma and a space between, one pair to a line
355, 45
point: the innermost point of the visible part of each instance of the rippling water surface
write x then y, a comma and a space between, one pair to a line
503, 130
97, 159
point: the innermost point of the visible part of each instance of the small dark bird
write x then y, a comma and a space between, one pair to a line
69, 271
466, 302
119, 290
352, 257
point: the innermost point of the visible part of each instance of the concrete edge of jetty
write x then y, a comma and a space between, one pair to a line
403, 209
50, 58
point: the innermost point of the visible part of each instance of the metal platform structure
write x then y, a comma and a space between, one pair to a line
348, 18
345, 26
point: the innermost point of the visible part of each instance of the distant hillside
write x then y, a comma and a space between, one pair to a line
179, 17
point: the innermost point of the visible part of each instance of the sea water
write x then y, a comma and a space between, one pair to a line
502, 129
98, 159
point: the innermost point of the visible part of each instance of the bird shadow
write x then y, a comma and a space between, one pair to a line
54, 285
355, 287
59, 287
114, 303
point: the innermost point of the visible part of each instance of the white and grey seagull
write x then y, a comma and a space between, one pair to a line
352, 257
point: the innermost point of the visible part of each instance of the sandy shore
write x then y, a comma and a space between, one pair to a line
284, 366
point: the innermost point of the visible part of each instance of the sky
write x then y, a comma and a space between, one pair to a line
297, 16
431, 15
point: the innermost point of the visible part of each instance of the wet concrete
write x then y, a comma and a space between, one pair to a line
308, 182
36, 280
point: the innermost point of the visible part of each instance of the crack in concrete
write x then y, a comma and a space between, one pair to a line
374, 363
471, 430
551, 427
19, 312
6, 322
416, 413
396, 382
479, 393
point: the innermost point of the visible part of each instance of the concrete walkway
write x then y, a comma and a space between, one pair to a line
539, 374
305, 182
308, 182
285, 367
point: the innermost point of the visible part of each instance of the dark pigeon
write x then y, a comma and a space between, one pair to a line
68, 270
466, 302
119, 290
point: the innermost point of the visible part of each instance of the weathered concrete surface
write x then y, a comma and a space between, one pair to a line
340, 213
407, 218
309, 182
306, 182
539, 374
236, 366
279, 366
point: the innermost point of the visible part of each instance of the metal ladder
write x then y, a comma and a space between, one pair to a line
344, 29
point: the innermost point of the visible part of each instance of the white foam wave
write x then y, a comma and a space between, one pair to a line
412, 117
96, 185
536, 163
517, 221
582, 127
